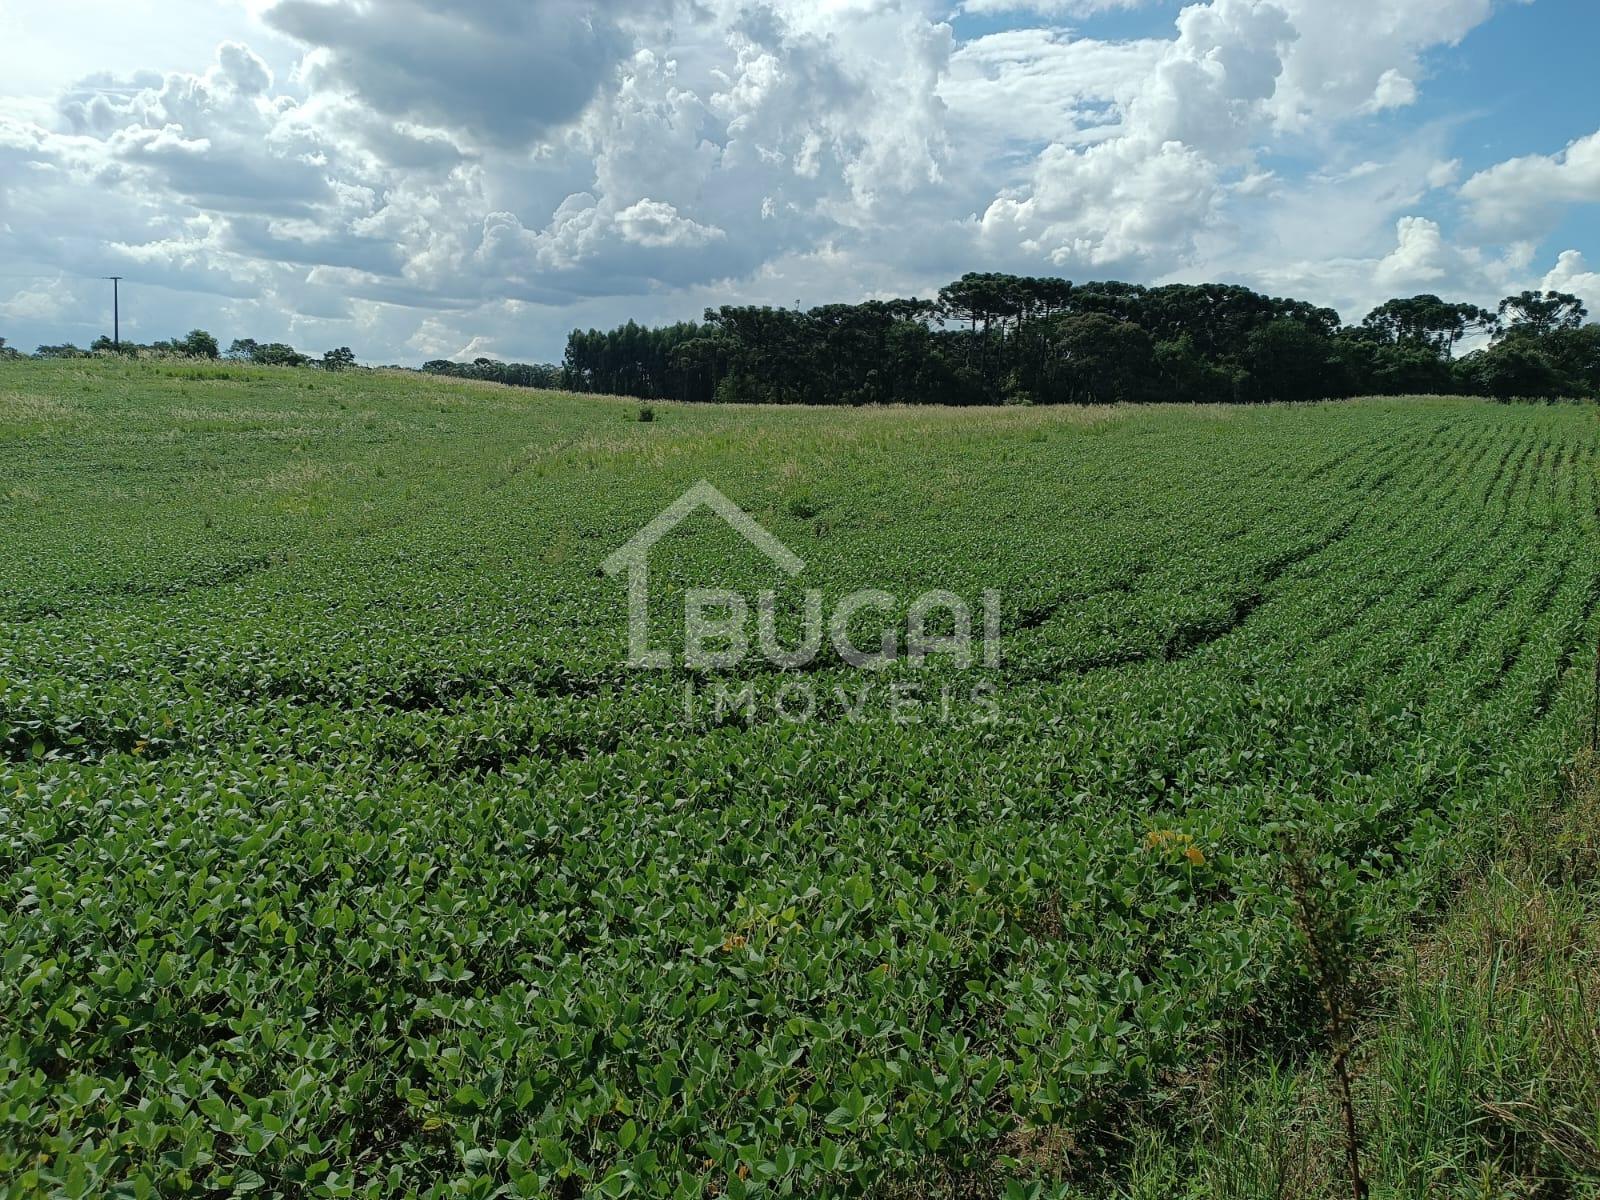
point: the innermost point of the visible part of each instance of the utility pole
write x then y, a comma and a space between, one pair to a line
116, 311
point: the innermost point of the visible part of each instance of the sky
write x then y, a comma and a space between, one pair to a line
451, 178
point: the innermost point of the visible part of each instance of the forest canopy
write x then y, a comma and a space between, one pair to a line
1009, 339
999, 339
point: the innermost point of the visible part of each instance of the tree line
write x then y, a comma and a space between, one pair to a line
1008, 339
993, 339
196, 344
492, 370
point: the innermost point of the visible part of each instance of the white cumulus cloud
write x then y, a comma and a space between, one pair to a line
1520, 196
442, 177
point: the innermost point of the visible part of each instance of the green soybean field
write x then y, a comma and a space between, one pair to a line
343, 852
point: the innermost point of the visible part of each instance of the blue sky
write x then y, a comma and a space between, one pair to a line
1523, 83
422, 178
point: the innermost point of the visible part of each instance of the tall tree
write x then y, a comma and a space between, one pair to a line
1426, 320
1539, 314
199, 344
1105, 360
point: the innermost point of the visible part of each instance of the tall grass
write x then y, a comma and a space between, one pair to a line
1480, 1079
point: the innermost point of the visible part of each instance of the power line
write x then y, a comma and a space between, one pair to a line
116, 310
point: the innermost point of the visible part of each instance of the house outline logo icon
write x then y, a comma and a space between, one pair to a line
633, 556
